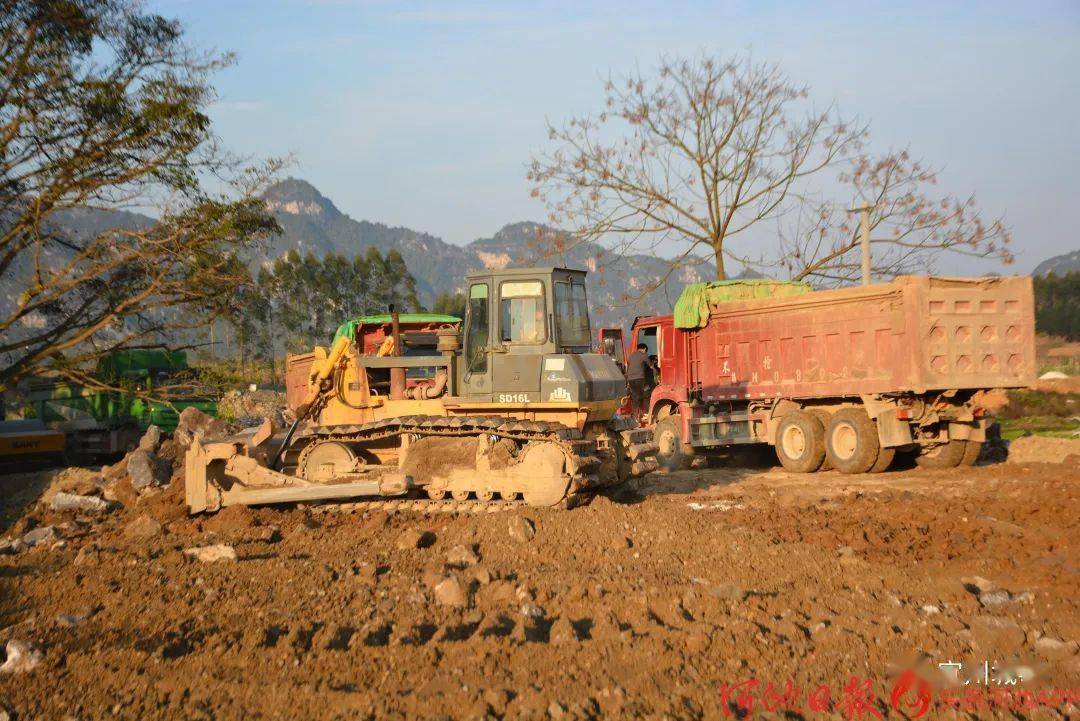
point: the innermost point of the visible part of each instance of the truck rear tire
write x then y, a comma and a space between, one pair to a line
971, 453
851, 442
800, 442
885, 458
943, 455
825, 417
672, 453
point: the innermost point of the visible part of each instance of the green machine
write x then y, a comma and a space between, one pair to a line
99, 422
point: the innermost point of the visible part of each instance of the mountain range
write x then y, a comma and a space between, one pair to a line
1059, 264
311, 222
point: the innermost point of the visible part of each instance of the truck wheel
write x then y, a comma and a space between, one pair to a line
943, 455
672, 453
885, 458
800, 442
972, 450
824, 416
851, 442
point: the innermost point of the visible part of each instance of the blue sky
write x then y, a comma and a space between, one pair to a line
425, 114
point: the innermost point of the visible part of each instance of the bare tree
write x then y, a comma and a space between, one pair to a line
705, 150
102, 106
909, 225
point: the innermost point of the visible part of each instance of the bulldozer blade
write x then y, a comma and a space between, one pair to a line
198, 493
222, 474
297, 494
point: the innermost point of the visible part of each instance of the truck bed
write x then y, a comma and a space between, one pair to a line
915, 334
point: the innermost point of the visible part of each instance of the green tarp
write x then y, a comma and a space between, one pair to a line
64, 405
692, 308
348, 328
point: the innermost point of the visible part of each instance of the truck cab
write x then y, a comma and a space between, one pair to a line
658, 334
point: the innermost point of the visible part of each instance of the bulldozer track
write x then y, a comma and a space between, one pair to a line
569, 439
582, 454
422, 505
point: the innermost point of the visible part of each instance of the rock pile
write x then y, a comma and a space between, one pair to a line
249, 408
151, 472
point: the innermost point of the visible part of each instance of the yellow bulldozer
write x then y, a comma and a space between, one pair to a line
511, 405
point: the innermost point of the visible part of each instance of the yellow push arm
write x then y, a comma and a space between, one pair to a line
320, 371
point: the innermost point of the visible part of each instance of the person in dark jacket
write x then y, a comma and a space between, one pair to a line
639, 370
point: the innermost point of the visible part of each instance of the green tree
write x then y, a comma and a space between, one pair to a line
303, 299
450, 304
102, 105
1057, 305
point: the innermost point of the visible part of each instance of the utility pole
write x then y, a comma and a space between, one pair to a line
864, 233
864, 238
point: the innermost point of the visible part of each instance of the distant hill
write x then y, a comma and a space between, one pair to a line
311, 222
78, 224
1059, 264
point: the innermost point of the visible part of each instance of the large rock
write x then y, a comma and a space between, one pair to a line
147, 470
462, 556
997, 634
194, 423
74, 502
450, 592
80, 481
143, 527
1055, 649
211, 554
521, 529
21, 657
150, 440
412, 538
42, 534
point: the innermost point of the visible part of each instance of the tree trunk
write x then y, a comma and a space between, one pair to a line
718, 253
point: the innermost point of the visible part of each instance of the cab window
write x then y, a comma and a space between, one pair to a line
648, 337
523, 313
572, 315
477, 329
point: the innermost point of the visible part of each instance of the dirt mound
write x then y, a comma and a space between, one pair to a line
1041, 449
654, 603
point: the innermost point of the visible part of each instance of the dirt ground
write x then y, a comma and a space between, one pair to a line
653, 602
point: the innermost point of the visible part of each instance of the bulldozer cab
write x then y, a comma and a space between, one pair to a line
520, 326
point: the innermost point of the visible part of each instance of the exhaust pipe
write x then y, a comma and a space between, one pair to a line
419, 393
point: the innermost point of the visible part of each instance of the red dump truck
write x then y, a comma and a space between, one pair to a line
841, 378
